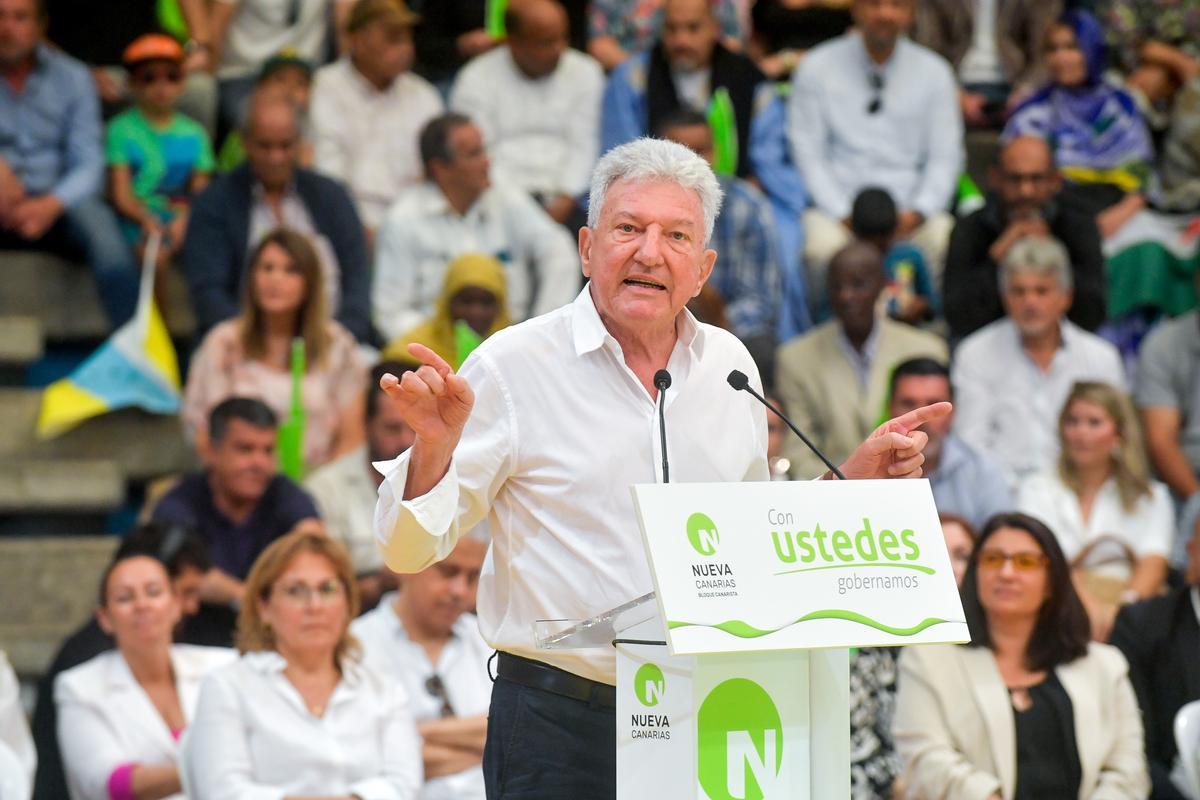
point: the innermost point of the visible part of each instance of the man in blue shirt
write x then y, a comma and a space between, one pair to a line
51, 159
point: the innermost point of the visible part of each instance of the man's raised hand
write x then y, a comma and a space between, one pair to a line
894, 449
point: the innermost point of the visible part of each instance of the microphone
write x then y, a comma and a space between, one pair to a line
662, 382
738, 380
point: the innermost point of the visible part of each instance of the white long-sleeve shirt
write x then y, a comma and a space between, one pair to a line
1008, 407
253, 738
422, 234
912, 146
367, 138
543, 135
560, 430
14, 730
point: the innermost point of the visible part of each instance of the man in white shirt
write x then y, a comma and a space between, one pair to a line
538, 105
344, 490
873, 108
544, 431
1011, 377
369, 91
458, 210
425, 638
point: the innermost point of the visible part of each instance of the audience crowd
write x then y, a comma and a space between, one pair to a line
337, 180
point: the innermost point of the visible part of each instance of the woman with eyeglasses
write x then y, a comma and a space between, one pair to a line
1112, 520
1029, 709
298, 716
120, 715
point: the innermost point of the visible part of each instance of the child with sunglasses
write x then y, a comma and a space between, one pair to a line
158, 159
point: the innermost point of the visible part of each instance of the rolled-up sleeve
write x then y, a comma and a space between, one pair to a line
422, 531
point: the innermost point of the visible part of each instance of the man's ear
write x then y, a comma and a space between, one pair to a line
585, 250
706, 268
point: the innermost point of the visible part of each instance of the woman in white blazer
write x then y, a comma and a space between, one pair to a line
121, 713
1029, 710
298, 716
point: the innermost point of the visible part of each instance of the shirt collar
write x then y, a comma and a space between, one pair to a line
434, 203
870, 346
259, 194
269, 662
590, 334
869, 63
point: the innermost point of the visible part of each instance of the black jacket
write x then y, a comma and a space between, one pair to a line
1161, 640
971, 291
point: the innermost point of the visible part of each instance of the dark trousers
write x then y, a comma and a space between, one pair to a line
543, 746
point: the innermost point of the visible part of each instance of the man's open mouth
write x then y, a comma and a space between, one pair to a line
647, 283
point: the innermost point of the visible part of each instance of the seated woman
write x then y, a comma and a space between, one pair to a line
1098, 136
1101, 498
298, 715
1029, 709
120, 714
475, 292
250, 355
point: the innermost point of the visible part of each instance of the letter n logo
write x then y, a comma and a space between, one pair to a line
649, 685
739, 738
702, 534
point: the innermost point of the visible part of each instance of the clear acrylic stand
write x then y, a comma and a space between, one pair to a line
597, 632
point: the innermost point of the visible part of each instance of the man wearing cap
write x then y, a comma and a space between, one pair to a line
367, 91
544, 431
51, 159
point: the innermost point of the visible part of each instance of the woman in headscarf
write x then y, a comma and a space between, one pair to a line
475, 293
1099, 139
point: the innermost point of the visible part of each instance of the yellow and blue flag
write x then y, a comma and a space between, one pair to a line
137, 367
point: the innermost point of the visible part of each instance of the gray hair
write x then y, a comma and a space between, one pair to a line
656, 160
1040, 255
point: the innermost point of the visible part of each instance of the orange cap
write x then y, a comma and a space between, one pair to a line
152, 47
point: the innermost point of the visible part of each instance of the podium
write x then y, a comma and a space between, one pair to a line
732, 675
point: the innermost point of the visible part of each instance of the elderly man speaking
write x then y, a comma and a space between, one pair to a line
544, 431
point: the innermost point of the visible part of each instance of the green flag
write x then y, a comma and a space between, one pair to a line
291, 432
723, 122
465, 342
170, 17
494, 22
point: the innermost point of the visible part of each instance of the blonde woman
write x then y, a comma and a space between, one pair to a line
298, 716
1100, 501
250, 355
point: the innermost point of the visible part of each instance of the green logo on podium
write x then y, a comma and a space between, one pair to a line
740, 741
702, 534
649, 685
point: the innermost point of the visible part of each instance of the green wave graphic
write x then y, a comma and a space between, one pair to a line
859, 565
744, 630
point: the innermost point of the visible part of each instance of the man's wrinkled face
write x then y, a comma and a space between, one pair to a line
646, 258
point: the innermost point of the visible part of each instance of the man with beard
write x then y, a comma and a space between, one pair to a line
839, 402
964, 481
1026, 200
345, 489
682, 71
237, 506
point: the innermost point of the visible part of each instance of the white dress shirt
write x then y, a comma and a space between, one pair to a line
1148, 529
560, 430
542, 135
254, 739
345, 497
1008, 407
348, 115
912, 146
462, 667
106, 719
14, 729
259, 29
422, 234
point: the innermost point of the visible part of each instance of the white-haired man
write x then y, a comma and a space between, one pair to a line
544, 431
1011, 377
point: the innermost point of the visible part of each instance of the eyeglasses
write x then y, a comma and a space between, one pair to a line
1022, 562
301, 594
876, 104
149, 76
435, 687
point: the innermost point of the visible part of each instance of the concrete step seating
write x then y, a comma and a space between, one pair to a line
21, 340
74, 486
48, 588
62, 296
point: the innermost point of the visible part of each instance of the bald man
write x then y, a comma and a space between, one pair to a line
270, 191
1025, 200
681, 72
538, 105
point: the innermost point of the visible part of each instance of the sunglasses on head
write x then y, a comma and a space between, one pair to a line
151, 75
876, 103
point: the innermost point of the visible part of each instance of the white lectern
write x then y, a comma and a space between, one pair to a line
732, 676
